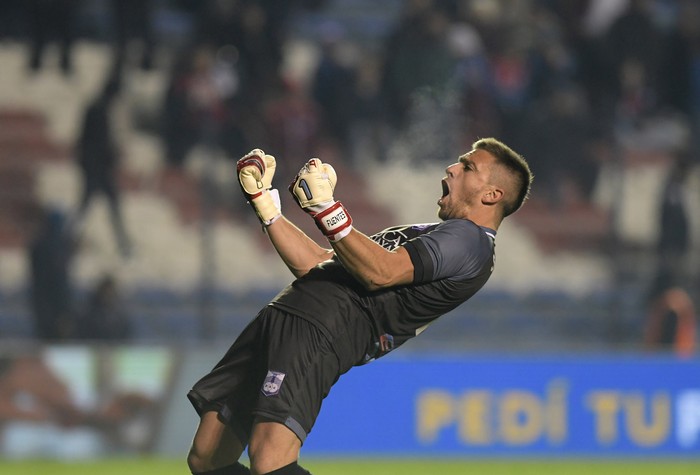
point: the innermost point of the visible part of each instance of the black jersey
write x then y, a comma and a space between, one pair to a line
452, 260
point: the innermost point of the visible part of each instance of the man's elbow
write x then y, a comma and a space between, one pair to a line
377, 282
298, 272
372, 286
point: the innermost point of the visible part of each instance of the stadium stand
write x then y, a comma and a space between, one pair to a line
563, 270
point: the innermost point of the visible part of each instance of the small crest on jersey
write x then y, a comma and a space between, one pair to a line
273, 383
422, 225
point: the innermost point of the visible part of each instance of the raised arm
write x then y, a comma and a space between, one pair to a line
299, 252
372, 265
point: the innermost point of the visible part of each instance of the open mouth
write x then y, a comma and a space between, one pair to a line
445, 192
445, 189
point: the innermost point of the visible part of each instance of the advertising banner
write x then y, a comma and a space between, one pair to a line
92, 401
636, 405
83, 401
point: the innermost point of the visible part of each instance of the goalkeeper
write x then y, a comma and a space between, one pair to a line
348, 305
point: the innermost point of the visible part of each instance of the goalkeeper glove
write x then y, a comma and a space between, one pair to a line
313, 191
255, 172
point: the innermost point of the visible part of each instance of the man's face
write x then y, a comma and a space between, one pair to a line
464, 185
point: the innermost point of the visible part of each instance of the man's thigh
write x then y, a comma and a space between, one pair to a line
272, 445
214, 444
301, 368
278, 370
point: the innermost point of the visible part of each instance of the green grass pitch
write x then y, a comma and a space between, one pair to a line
372, 467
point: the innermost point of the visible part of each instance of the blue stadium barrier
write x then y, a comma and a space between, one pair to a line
519, 405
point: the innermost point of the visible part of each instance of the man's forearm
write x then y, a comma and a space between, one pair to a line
372, 265
298, 251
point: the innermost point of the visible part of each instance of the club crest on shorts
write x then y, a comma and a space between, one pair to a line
273, 383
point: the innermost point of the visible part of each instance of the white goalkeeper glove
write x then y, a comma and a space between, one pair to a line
255, 172
313, 191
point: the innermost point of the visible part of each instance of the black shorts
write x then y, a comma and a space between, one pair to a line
279, 369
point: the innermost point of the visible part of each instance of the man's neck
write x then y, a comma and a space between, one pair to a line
485, 219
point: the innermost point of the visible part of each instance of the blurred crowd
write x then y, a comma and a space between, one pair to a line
563, 81
567, 83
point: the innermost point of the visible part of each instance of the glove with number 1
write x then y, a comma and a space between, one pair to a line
255, 172
313, 191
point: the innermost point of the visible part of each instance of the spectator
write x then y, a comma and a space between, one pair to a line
52, 20
671, 323
333, 85
416, 56
673, 242
633, 39
98, 157
50, 256
637, 100
512, 70
292, 123
473, 82
13, 21
368, 132
562, 122
177, 129
202, 103
680, 83
132, 20
257, 29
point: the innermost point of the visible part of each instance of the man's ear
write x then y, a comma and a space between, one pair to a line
492, 196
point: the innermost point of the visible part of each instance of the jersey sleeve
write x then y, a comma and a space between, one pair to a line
456, 249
